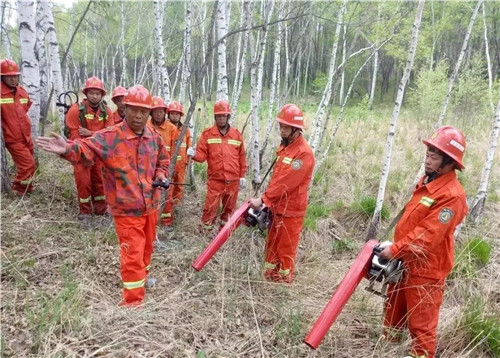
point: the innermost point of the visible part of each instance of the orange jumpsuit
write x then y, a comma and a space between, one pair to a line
225, 155
88, 176
16, 128
175, 192
129, 166
423, 239
167, 131
117, 118
286, 196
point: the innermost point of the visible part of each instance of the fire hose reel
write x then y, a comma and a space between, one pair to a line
384, 271
258, 217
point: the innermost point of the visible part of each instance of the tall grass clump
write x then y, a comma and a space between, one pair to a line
482, 329
365, 206
474, 254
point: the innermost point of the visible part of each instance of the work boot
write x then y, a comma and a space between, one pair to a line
205, 229
135, 304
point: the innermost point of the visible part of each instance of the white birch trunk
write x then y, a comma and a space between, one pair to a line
285, 81
394, 119
222, 88
458, 63
43, 65
274, 77
186, 67
30, 71
319, 117
375, 71
476, 208
342, 76
158, 6
488, 60
123, 78
55, 63
5, 35
240, 59
85, 56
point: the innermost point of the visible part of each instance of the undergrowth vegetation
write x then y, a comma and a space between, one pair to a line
61, 283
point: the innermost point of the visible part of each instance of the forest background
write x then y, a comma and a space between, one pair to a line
373, 79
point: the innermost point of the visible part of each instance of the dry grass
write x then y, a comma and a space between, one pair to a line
60, 281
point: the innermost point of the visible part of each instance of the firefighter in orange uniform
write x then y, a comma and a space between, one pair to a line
133, 157
16, 126
166, 129
175, 112
222, 147
83, 120
424, 240
117, 98
286, 196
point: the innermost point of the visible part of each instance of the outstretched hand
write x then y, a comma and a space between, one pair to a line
55, 144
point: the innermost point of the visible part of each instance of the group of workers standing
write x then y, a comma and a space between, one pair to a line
118, 156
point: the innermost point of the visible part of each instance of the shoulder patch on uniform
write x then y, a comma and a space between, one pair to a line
445, 215
296, 164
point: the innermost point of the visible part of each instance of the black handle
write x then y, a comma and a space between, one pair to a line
164, 184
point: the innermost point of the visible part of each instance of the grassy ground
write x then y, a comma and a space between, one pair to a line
61, 283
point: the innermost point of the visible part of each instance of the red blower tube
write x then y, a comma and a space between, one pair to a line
236, 219
351, 280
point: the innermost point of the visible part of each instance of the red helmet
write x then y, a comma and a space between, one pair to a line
221, 107
175, 107
291, 115
138, 96
450, 141
8, 68
158, 103
118, 92
93, 83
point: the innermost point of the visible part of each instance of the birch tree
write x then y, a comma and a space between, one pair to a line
5, 33
488, 60
458, 63
186, 67
55, 64
477, 206
375, 222
274, 79
41, 21
375, 70
160, 52
222, 88
256, 73
319, 117
30, 71
241, 62
123, 78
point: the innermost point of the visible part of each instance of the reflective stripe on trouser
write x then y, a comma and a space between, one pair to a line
89, 187
415, 303
174, 196
136, 235
282, 242
218, 191
22, 156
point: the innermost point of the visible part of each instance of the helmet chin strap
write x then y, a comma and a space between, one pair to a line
285, 141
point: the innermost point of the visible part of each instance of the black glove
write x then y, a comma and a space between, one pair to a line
164, 184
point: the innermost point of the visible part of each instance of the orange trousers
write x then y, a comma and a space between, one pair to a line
135, 235
23, 157
414, 303
174, 196
220, 191
90, 188
281, 248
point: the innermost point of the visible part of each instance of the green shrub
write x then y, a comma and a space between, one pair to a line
366, 207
